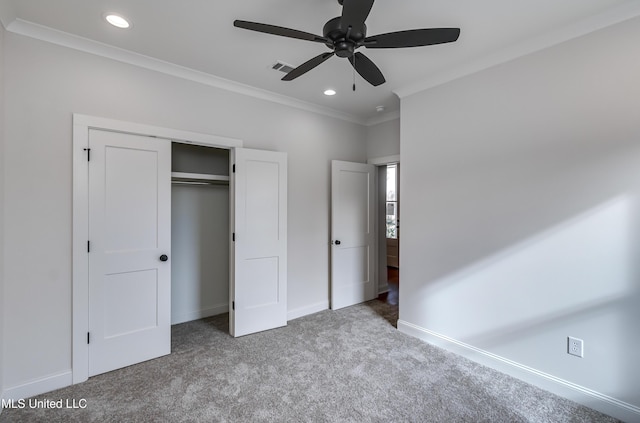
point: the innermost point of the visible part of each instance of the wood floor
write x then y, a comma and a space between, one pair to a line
393, 280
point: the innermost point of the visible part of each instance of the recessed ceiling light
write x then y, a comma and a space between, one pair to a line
117, 21
330, 92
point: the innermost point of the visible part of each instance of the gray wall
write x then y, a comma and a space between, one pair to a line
200, 251
383, 139
2, 167
45, 84
521, 211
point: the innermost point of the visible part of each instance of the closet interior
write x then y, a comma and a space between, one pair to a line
199, 232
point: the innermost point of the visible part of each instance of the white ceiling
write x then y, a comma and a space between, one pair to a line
199, 35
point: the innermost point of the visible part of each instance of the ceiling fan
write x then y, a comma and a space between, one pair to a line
346, 33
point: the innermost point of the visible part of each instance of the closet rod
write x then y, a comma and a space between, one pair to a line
198, 179
199, 183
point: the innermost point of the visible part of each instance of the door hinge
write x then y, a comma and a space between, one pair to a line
233, 237
233, 305
234, 168
88, 150
88, 337
88, 246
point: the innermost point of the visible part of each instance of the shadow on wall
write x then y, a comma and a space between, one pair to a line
521, 187
582, 273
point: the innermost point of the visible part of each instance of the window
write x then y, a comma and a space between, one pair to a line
392, 201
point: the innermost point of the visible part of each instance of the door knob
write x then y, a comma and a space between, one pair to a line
164, 257
337, 242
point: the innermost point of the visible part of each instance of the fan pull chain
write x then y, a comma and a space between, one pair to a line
354, 72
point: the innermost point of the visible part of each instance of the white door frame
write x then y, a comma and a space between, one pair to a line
80, 260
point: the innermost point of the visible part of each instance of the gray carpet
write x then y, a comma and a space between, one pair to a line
350, 365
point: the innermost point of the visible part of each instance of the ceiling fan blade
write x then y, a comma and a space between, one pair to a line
413, 38
278, 30
307, 66
354, 13
367, 69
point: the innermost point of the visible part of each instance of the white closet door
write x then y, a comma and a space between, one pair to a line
352, 233
259, 278
130, 235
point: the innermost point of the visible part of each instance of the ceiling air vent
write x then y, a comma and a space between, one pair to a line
282, 67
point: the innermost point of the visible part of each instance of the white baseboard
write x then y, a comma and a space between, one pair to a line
199, 314
38, 386
585, 396
306, 310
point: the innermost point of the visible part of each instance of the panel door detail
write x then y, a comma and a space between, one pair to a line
352, 233
259, 252
129, 249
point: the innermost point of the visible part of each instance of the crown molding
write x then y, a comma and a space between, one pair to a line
613, 16
386, 117
61, 38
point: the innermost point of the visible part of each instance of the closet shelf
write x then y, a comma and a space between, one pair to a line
198, 177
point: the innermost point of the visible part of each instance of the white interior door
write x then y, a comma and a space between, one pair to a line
353, 188
259, 252
129, 235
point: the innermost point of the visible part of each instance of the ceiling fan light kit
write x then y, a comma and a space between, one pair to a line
347, 33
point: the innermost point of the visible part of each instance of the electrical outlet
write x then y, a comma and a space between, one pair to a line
575, 347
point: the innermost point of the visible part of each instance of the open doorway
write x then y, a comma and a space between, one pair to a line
392, 231
389, 232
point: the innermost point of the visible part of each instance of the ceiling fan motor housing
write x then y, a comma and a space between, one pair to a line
344, 40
